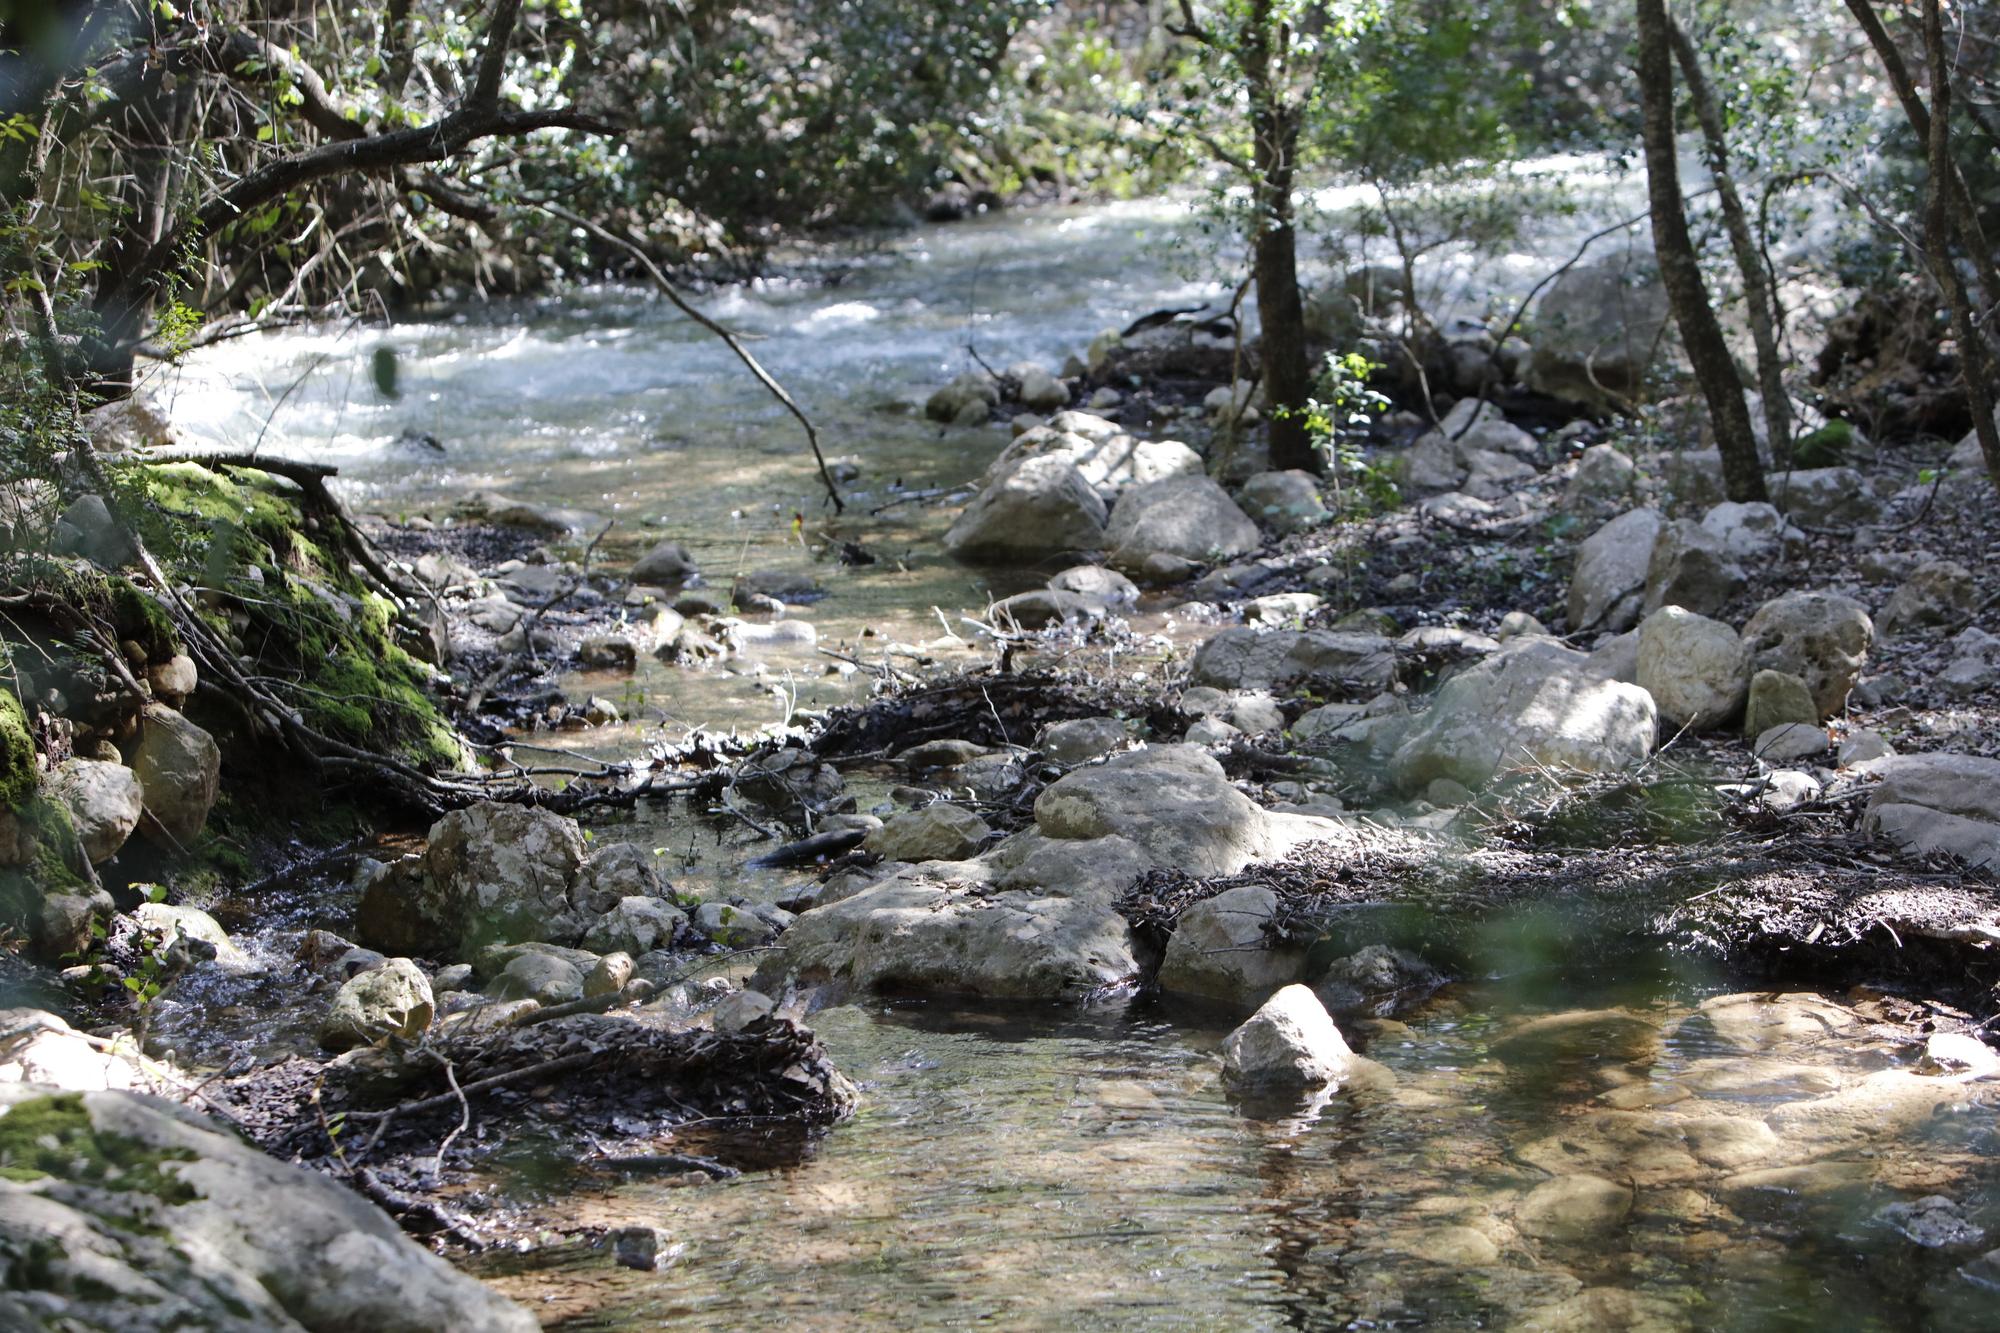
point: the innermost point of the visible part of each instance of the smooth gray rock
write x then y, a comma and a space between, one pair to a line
1827, 497
1082, 739
1188, 517
1605, 481
733, 927
1974, 666
1221, 949
941, 832
213, 1235
1596, 331
1258, 658
1530, 703
1098, 583
1696, 669
1941, 592
545, 978
1691, 568
1608, 583
1037, 507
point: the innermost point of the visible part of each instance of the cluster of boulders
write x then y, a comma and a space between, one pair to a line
145, 769
1080, 484
510, 908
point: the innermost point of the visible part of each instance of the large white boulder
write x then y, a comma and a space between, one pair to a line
1290, 1044
1608, 583
1189, 517
1105, 456
1696, 669
1531, 703
1036, 507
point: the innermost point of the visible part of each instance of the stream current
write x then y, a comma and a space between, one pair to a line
1569, 1143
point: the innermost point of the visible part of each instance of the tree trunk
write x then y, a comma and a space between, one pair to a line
1975, 354
1759, 299
1680, 270
1280, 309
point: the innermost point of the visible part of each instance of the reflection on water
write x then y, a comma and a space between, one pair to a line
1638, 1159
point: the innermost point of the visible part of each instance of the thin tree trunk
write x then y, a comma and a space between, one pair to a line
1680, 270
1759, 299
1280, 309
1975, 355
1958, 198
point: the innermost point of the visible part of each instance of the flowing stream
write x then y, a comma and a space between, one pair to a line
1758, 1162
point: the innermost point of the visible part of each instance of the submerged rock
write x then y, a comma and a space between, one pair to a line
1289, 1044
1573, 1208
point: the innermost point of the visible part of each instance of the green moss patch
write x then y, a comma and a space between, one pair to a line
18, 775
321, 638
53, 1137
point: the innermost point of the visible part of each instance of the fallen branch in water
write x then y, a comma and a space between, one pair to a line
680, 303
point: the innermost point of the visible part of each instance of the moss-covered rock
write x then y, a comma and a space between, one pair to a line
323, 638
18, 775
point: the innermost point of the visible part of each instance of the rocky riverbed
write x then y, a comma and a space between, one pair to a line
1353, 802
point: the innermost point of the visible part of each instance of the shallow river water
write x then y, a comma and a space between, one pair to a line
1597, 1167
1566, 1146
